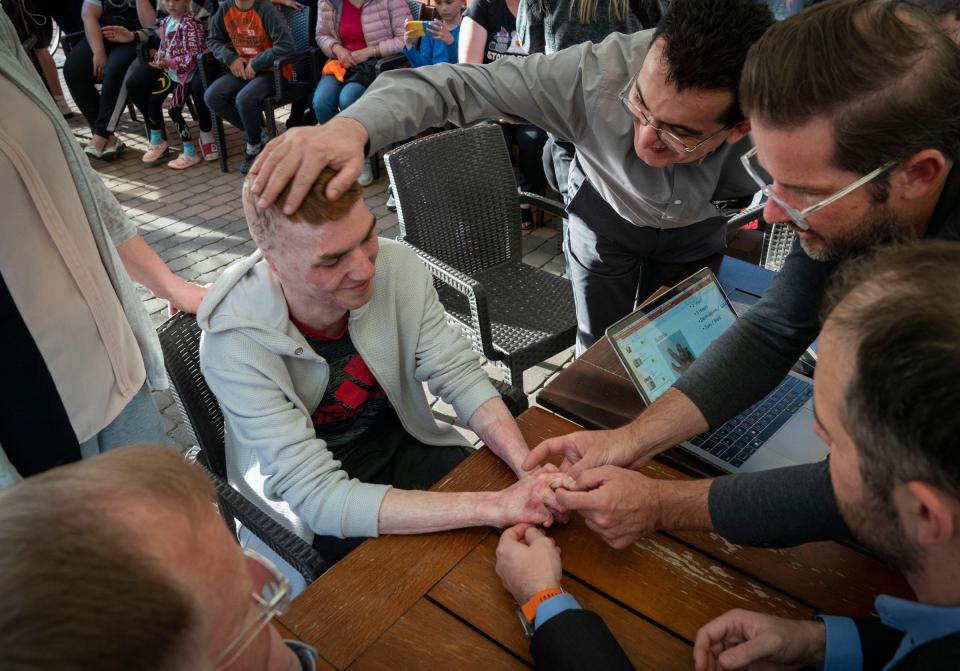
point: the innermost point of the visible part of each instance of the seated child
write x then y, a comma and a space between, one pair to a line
247, 36
181, 41
439, 42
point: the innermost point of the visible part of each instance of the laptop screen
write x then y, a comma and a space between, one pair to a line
659, 341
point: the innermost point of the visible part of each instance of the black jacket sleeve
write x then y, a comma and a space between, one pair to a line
777, 508
878, 642
575, 640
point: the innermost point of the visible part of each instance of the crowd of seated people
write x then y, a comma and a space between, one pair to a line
318, 345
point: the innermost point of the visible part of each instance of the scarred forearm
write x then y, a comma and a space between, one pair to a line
498, 430
414, 512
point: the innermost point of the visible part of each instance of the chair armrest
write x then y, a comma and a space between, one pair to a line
469, 287
391, 62
546, 204
293, 549
210, 68
311, 52
513, 397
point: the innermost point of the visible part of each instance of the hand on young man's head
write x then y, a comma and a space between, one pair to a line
527, 562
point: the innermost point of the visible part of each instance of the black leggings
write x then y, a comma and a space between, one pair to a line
148, 97
97, 106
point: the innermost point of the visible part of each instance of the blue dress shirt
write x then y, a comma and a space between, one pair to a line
920, 623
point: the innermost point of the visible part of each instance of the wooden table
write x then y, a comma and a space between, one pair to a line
434, 601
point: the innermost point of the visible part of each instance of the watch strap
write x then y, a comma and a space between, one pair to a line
529, 609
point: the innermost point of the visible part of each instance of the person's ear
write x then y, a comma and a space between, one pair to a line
919, 174
740, 131
928, 515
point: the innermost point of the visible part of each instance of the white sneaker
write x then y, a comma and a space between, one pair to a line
366, 175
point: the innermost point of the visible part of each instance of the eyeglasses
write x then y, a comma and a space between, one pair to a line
271, 597
799, 217
643, 117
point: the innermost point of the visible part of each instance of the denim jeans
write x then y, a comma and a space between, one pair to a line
331, 97
238, 101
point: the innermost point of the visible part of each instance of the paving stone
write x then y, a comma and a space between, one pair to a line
537, 258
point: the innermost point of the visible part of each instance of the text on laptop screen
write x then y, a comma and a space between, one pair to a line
660, 345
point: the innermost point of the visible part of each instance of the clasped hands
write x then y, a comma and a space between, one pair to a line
595, 479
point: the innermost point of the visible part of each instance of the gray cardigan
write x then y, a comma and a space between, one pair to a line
268, 381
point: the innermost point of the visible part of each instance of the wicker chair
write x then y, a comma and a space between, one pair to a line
180, 341
459, 208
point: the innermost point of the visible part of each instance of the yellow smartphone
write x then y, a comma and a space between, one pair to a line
417, 28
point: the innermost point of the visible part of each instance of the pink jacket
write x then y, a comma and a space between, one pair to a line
382, 22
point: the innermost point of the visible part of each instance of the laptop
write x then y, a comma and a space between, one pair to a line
659, 340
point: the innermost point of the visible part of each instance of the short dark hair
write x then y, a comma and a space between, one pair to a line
882, 71
80, 592
938, 8
900, 310
705, 44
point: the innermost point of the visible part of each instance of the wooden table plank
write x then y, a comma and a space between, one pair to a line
351, 605
667, 582
831, 577
473, 592
412, 643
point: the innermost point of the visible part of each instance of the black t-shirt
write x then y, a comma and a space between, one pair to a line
501, 26
119, 13
353, 400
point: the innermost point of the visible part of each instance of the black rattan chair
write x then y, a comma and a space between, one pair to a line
307, 63
459, 207
180, 341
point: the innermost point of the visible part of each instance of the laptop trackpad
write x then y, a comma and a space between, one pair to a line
795, 443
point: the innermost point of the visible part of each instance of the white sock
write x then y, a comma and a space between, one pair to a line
206, 137
254, 148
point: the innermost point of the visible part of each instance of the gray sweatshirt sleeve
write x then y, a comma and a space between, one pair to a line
753, 355
218, 40
777, 508
545, 90
276, 27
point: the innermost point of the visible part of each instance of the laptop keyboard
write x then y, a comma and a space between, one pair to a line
736, 440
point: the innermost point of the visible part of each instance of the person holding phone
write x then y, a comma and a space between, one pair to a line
437, 38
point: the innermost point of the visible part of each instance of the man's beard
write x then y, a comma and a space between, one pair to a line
880, 226
875, 524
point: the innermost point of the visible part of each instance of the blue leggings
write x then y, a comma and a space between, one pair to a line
331, 97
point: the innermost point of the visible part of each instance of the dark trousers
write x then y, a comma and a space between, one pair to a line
557, 156
613, 263
388, 455
529, 140
97, 106
239, 101
148, 97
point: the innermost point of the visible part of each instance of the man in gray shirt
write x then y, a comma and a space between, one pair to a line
855, 112
654, 117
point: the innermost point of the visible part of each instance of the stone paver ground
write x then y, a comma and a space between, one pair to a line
194, 220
